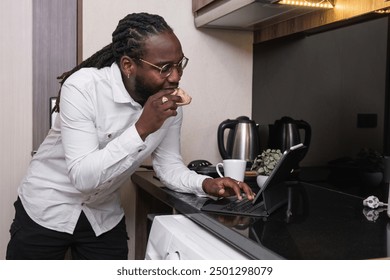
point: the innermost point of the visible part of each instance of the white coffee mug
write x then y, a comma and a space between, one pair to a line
233, 168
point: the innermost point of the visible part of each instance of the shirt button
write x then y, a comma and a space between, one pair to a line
109, 135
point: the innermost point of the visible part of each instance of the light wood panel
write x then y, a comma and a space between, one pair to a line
343, 11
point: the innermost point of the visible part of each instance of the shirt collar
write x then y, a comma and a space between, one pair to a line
120, 94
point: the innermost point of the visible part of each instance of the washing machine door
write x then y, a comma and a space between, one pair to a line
175, 237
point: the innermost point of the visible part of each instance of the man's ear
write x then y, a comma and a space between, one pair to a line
127, 66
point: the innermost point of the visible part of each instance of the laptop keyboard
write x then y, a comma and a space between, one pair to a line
239, 206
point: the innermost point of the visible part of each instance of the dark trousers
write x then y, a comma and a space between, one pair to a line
32, 241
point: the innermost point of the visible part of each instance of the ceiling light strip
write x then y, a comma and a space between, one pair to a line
308, 3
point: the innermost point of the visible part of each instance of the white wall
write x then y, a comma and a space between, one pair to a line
218, 76
15, 105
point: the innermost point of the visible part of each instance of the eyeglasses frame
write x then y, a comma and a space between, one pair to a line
162, 67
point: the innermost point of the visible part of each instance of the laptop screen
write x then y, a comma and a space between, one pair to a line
273, 190
271, 196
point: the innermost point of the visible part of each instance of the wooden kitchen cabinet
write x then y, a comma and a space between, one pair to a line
198, 4
228, 13
345, 12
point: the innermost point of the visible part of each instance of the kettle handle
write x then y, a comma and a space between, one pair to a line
227, 124
306, 127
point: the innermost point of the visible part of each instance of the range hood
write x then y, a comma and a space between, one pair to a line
246, 14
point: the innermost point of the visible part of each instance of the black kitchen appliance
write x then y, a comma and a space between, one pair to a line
286, 132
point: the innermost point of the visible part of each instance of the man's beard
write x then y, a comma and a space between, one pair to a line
143, 91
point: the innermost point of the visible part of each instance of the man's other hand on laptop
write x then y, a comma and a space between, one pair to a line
224, 187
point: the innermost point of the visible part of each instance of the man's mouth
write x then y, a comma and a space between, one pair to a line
169, 90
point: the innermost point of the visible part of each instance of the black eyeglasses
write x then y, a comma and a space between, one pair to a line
167, 69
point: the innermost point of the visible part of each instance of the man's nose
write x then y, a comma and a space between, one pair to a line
175, 75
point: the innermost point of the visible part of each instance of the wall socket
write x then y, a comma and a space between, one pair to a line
367, 120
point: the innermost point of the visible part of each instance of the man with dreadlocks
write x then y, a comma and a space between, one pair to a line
116, 109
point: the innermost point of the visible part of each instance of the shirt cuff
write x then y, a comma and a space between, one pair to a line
199, 189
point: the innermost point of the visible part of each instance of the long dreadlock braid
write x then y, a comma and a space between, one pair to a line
127, 39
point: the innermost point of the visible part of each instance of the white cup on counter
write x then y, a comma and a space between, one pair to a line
233, 168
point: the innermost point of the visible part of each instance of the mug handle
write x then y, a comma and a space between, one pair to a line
217, 168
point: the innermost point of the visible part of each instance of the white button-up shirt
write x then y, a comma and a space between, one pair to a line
92, 149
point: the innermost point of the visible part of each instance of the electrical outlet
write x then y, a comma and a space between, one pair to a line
367, 120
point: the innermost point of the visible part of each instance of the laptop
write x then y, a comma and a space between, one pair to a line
270, 197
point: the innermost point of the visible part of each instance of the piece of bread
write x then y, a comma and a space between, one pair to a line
186, 99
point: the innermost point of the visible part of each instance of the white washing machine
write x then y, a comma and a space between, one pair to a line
175, 237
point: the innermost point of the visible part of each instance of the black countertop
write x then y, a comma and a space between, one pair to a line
317, 223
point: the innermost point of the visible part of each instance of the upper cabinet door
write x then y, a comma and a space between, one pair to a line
271, 19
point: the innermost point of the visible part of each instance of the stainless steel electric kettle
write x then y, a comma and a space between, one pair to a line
285, 133
242, 141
